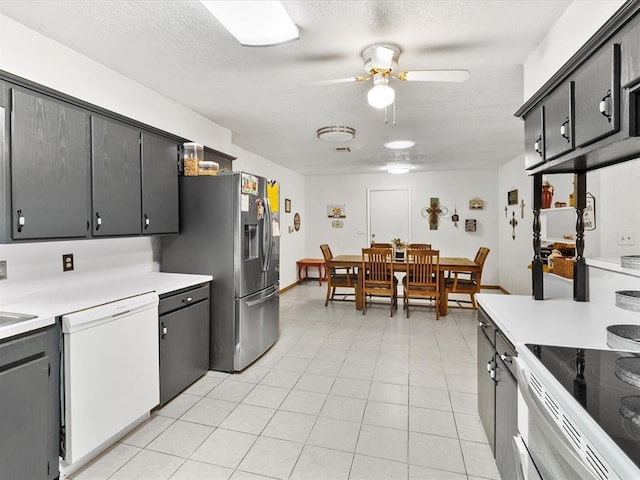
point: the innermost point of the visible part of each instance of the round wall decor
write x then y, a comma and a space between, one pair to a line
296, 221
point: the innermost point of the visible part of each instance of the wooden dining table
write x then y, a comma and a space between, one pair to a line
447, 264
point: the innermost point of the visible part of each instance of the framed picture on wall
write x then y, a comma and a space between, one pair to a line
512, 197
287, 205
336, 211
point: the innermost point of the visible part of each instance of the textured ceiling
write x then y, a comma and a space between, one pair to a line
262, 94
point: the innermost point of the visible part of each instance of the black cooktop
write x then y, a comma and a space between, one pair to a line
607, 385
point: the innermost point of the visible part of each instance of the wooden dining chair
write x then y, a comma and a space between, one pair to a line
423, 277
424, 246
379, 280
337, 277
381, 245
468, 283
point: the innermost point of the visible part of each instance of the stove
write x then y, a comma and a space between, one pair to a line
606, 384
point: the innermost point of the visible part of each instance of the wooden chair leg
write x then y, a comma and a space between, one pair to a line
473, 301
326, 302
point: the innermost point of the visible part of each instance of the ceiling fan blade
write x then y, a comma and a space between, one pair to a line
337, 80
434, 75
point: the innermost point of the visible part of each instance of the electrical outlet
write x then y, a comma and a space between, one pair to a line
67, 262
3, 269
626, 238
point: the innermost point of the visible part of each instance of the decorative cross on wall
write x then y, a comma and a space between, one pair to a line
513, 222
434, 211
521, 208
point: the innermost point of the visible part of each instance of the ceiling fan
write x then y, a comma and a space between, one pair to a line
380, 63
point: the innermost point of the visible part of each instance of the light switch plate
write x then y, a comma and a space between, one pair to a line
3, 269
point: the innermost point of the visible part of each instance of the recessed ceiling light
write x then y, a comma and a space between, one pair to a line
336, 134
400, 144
398, 168
254, 23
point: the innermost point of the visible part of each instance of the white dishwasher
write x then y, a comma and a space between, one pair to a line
110, 374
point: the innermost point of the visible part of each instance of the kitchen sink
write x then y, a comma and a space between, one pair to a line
9, 318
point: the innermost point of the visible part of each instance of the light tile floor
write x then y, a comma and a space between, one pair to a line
340, 396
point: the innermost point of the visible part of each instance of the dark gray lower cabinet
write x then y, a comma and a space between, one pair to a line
506, 408
30, 405
184, 339
486, 374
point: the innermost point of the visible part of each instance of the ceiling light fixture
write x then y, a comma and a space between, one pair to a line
255, 23
381, 95
398, 168
336, 134
400, 144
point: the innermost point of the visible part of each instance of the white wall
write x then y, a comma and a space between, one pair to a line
454, 188
515, 254
292, 186
577, 24
28, 54
617, 208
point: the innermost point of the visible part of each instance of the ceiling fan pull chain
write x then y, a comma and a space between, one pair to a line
394, 114
386, 120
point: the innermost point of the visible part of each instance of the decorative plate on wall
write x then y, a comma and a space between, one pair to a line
296, 221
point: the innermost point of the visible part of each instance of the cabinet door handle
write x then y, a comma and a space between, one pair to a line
147, 221
187, 300
506, 358
537, 146
98, 221
489, 366
21, 220
564, 130
164, 330
605, 106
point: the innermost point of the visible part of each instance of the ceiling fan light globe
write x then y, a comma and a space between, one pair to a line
381, 96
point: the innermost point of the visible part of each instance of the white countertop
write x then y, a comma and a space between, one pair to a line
555, 321
81, 292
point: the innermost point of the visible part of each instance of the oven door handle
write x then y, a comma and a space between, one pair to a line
552, 432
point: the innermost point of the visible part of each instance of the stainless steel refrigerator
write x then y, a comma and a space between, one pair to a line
229, 229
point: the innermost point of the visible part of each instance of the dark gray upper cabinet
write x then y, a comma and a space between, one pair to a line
630, 52
534, 152
115, 178
159, 185
558, 122
49, 168
597, 97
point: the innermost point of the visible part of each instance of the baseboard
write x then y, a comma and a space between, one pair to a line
288, 287
496, 287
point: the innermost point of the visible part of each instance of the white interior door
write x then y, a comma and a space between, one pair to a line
388, 214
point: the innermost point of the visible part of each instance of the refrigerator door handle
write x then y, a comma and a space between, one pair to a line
262, 300
267, 233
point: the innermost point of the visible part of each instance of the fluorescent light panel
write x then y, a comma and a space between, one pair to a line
254, 23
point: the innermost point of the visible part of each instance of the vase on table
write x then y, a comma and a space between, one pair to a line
547, 195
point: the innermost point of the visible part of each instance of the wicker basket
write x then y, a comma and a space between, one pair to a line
563, 266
